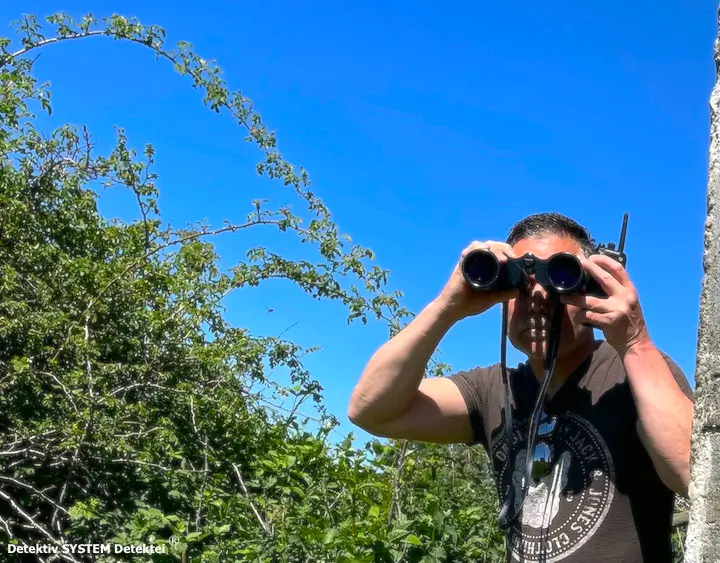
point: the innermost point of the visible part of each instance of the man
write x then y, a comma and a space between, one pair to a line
621, 409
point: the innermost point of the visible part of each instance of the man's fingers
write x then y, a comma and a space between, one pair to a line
613, 266
501, 250
587, 302
509, 251
605, 278
474, 245
591, 317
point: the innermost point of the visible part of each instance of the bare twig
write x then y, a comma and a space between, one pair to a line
27, 517
206, 468
206, 472
28, 487
395, 501
34, 437
23, 451
6, 525
264, 525
287, 329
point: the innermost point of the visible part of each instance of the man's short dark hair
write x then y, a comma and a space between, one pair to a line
539, 224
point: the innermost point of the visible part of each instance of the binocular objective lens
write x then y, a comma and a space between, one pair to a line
481, 267
565, 272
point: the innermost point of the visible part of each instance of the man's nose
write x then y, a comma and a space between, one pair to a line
539, 302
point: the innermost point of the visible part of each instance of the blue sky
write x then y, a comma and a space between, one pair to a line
422, 129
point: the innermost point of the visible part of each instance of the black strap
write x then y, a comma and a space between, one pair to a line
505, 520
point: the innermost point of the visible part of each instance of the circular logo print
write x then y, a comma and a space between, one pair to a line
563, 510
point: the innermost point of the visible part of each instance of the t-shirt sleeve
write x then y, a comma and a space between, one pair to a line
679, 376
474, 386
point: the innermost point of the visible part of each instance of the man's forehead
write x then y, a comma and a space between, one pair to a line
544, 246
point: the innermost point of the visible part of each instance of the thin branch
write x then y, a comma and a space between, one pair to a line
147, 464
23, 451
44, 42
284, 409
28, 487
288, 329
55, 521
206, 471
139, 434
65, 390
295, 407
395, 500
192, 415
144, 384
27, 517
264, 525
6, 525
32, 438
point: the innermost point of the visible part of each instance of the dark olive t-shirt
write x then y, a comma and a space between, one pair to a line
603, 500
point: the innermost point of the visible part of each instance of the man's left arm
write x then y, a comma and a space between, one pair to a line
661, 393
665, 412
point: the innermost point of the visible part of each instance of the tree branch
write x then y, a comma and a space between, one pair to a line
27, 517
51, 40
265, 526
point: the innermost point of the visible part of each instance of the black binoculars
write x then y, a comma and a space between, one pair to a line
561, 273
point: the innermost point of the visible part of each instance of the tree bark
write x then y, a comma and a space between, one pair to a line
702, 544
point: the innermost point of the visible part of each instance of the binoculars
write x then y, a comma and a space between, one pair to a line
561, 273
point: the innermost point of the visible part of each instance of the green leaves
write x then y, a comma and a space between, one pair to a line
134, 412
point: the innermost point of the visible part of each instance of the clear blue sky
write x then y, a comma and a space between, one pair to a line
422, 129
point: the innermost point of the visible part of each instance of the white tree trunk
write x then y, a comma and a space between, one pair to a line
703, 536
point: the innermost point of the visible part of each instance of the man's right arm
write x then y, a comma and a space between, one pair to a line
393, 400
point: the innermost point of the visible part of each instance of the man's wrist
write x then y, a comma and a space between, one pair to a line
637, 346
446, 312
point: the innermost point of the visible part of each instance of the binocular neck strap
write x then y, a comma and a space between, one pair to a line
505, 518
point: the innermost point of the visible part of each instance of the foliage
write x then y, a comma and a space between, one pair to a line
132, 412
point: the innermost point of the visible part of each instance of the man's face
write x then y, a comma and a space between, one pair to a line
530, 314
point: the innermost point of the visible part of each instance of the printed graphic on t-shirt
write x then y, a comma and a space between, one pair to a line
563, 510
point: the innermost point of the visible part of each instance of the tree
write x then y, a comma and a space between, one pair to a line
132, 412
703, 536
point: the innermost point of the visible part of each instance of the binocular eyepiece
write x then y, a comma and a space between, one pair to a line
561, 273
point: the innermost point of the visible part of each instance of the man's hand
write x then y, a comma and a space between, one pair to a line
619, 315
664, 412
460, 300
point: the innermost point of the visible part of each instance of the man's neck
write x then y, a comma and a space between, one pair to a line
565, 366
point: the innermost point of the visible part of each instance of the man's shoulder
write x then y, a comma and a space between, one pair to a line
485, 374
486, 381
